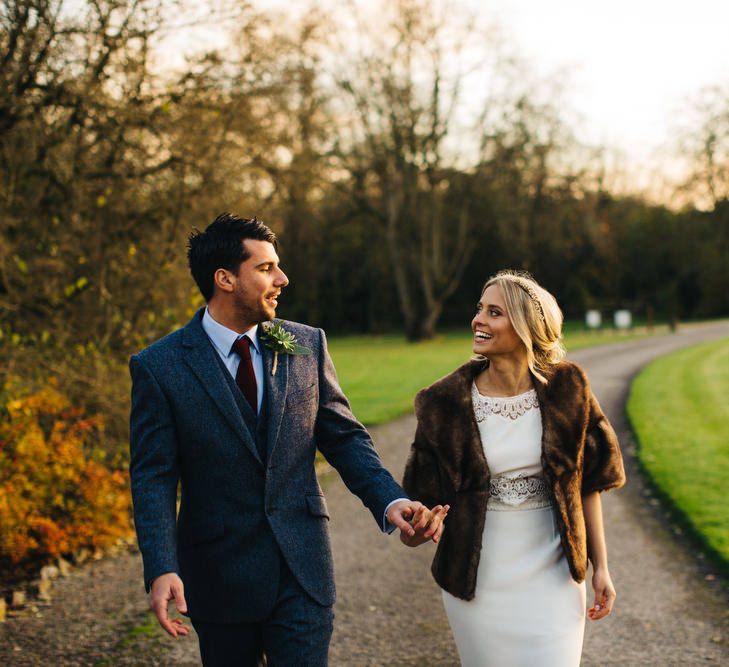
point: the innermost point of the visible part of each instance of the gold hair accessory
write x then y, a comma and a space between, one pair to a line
532, 295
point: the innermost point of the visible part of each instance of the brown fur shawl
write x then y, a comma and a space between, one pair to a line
580, 454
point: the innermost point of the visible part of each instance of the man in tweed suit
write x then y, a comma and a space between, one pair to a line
248, 557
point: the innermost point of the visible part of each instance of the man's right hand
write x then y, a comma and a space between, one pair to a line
168, 587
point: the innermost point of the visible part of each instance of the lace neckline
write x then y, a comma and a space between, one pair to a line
512, 407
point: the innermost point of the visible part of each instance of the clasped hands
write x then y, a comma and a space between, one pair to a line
416, 522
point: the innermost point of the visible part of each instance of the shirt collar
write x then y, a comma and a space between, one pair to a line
223, 338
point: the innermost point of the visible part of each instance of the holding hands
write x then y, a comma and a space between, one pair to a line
417, 523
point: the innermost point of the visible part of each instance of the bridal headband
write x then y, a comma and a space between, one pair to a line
524, 284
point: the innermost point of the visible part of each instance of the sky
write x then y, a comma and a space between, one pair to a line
629, 68
634, 65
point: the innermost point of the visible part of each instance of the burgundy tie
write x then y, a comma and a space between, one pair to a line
245, 378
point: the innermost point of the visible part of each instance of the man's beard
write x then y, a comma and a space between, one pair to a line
254, 315
267, 312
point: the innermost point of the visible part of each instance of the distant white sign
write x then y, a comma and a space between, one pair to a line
593, 319
623, 319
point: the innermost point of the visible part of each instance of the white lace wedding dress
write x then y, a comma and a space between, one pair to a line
528, 611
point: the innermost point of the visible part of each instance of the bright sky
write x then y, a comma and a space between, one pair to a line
630, 67
633, 64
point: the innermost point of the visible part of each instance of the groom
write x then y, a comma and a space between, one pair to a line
223, 408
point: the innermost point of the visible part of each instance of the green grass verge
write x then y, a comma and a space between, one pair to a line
679, 411
382, 374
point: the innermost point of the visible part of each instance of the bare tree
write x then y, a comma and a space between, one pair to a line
417, 93
704, 147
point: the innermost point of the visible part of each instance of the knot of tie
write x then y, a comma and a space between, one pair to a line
242, 347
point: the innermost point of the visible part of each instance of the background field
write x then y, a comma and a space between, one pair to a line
680, 413
381, 375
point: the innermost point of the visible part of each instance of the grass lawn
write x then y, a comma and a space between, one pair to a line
382, 374
679, 410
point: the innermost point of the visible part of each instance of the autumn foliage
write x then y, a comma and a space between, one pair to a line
56, 494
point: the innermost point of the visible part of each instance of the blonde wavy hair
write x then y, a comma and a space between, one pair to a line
535, 316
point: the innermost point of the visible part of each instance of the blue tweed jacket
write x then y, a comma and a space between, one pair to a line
238, 514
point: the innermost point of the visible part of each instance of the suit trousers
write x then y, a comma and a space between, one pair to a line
296, 633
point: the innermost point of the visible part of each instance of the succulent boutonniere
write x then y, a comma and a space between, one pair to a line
276, 338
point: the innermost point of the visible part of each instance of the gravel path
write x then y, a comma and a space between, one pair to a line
389, 610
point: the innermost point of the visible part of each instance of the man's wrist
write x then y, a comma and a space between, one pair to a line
387, 526
159, 576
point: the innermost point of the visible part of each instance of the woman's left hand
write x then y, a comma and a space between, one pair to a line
605, 595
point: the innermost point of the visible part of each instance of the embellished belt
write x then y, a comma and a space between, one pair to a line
518, 493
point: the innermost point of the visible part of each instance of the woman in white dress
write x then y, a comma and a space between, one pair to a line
515, 443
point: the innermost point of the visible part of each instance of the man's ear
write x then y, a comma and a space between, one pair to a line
224, 280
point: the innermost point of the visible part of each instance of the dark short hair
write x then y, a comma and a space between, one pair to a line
220, 246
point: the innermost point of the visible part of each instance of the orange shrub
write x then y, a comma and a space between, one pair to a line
55, 498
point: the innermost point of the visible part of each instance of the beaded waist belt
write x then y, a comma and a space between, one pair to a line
518, 493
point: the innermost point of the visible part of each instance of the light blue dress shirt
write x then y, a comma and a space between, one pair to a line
223, 338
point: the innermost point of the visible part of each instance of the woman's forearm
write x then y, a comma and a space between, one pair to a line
596, 547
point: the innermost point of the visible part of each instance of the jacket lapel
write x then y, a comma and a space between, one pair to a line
276, 387
477, 468
452, 420
558, 429
199, 355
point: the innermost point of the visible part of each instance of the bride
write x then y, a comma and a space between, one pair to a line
518, 447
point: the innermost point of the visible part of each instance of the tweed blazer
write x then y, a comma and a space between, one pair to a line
447, 464
241, 513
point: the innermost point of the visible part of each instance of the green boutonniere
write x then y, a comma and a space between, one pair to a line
276, 338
